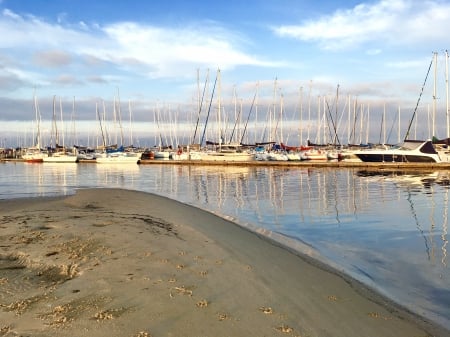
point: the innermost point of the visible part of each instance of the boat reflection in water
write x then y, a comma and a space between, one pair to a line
409, 178
48, 179
424, 240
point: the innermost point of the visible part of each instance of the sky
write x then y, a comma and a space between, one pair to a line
152, 60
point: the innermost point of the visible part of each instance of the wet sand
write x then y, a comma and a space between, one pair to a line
110, 262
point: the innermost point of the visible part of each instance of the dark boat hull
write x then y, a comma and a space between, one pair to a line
380, 158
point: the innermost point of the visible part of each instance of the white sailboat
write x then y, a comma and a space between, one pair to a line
119, 157
115, 154
34, 154
60, 155
223, 151
229, 152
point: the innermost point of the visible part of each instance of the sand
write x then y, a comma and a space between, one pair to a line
110, 262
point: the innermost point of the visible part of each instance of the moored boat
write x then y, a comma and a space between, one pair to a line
410, 151
34, 155
118, 157
61, 157
228, 152
314, 155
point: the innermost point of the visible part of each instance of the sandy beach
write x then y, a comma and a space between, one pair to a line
110, 262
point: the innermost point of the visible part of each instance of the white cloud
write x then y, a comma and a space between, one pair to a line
399, 22
10, 14
141, 49
165, 50
31, 33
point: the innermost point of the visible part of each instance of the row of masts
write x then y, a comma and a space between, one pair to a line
329, 118
325, 125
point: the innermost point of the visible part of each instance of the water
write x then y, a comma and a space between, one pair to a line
388, 230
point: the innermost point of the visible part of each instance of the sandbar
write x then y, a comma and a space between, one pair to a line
114, 262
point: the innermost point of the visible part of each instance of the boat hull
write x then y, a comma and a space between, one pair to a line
410, 151
224, 156
34, 157
394, 158
119, 158
60, 159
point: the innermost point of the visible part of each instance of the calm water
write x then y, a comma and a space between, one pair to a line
389, 230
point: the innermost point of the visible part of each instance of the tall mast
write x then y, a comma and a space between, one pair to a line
38, 122
349, 119
384, 123
433, 119
309, 109
446, 92
62, 122
219, 103
54, 126
301, 116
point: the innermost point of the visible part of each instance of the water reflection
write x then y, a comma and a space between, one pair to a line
34, 179
116, 175
433, 228
409, 178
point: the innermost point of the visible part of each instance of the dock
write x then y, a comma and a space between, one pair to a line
426, 167
404, 166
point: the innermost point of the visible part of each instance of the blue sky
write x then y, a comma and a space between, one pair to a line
148, 53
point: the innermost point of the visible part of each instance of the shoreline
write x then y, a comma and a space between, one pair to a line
128, 263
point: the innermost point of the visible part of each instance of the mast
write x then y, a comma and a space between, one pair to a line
73, 126
256, 109
368, 122
54, 132
418, 101
301, 115
101, 126
62, 122
120, 117
336, 115
131, 122
433, 119
37, 112
309, 109
446, 94
200, 101
349, 119
248, 117
273, 131
209, 110
219, 103
361, 123
384, 124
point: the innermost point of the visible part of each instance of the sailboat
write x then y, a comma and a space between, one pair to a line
221, 150
34, 154
60, 154
116, 154
232, 152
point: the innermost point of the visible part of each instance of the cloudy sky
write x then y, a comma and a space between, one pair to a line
149, 53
